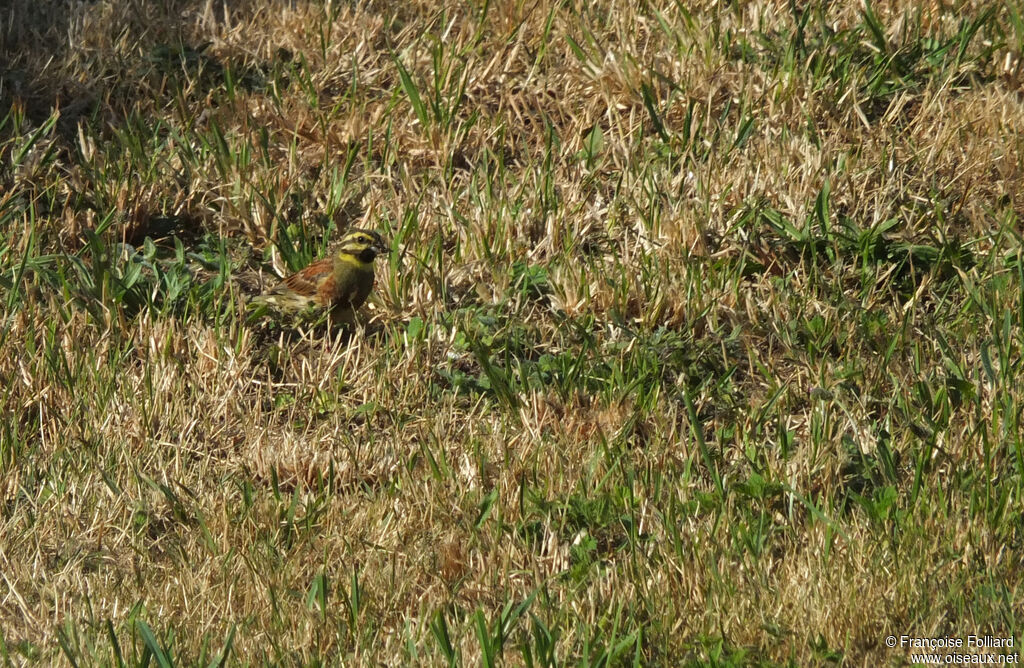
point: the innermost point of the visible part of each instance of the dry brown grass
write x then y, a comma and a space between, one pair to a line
622, 365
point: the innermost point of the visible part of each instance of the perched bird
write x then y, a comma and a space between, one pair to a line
338, 284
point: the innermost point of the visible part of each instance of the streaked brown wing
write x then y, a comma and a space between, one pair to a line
307, 281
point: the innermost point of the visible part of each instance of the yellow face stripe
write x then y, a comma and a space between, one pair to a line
362, 238
346, 256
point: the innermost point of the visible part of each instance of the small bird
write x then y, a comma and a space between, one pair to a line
338, 284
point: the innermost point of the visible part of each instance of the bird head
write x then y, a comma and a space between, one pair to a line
362, 245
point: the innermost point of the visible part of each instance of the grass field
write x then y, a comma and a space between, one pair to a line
699, 342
